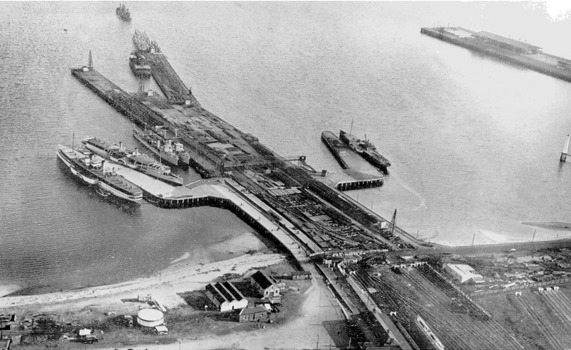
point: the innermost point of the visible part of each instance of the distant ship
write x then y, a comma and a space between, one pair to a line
90, 169
367, 150
166, 149
123, 12
132, 159
139, 65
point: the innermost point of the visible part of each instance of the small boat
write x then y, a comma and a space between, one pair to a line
132, 159
91, 170
123, 12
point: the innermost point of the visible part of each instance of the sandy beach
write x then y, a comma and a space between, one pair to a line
179, 277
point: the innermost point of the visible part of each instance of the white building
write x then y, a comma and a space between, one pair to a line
226, 296
464, 273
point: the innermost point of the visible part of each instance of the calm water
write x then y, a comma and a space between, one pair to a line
474, 142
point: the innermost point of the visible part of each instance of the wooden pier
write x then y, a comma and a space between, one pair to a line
358, 173
168, 81
506, 49
123, 102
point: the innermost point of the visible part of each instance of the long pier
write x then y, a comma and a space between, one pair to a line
168, 81
509, 50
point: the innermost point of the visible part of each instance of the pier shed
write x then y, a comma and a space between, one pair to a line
507, 43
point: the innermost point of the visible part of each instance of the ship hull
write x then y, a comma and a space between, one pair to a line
370, 155
110, 184
165, 157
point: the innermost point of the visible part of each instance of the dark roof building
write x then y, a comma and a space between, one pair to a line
226, 296
266, 285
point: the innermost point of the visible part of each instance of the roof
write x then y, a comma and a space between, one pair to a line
507, 41
225, 291
253, 310
262, 279
217, 295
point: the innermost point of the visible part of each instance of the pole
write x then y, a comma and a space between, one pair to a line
473, 238
532, 238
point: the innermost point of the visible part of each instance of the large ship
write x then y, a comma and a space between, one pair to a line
132, 159
139, 65
123, 12
367, 150
166, 149
90, 169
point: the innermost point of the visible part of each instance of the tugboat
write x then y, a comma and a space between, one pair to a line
123, 12
132, 159
168, 150
139, 65
90, 169
367, 150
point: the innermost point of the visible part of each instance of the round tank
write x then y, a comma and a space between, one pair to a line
150, 318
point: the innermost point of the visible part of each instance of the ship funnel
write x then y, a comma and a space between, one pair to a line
565, 150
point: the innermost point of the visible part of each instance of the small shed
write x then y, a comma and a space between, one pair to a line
254, 314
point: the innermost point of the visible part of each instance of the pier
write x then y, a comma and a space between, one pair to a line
357, 172
509, 50
287, 202
168, 81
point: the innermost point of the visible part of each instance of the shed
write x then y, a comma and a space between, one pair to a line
254, 314
265, 284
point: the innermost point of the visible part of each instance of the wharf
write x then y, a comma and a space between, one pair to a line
315, 215
513, 51
358, 172
116, 97
168, 81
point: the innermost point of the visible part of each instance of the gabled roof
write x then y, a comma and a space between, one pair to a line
262, 279
252, 310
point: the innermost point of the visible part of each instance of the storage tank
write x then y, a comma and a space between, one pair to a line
150, 318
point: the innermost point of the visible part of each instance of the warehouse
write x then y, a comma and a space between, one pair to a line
226, 296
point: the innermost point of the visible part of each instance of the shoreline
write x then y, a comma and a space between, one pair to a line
164, 285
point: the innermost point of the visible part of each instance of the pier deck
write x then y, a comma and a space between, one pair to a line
357, 172
509, 50
168, 81
117, 98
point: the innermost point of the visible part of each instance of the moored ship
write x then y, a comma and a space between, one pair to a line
90, 169
132, 159
139, 65
123, 12
168, 150
366, 150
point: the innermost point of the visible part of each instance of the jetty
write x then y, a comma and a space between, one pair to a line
358, 172
506, 49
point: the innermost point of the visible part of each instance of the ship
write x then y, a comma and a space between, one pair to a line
132, 159
166, 149
139, 65
366, 150
123, 12
90, 169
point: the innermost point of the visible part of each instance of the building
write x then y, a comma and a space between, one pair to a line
254, 314
226, 296
265, 284
464, 273
507, 43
